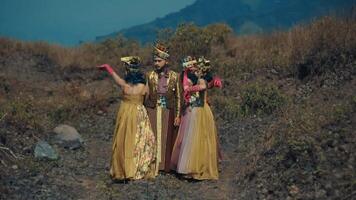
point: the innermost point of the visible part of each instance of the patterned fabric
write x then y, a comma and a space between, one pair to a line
160, 51
145, 148
162, 101
195, 100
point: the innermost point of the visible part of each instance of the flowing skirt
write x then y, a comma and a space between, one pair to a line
134, 144
195, 152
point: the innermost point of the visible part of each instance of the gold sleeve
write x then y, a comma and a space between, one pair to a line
178, 96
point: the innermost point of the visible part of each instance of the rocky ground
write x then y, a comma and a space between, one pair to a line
83, 173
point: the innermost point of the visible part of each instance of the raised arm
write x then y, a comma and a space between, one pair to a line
121, 82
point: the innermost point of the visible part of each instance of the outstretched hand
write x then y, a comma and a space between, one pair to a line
217, 82
106, 67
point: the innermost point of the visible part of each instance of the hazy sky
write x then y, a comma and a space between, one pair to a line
69, 21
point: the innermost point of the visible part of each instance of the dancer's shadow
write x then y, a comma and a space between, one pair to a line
120, 181
185, 177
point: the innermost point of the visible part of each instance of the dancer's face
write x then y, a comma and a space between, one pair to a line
191, 67
159, 63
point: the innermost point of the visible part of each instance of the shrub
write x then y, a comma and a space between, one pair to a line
227, 107
189, 39
21, 113
325, 45
261, 99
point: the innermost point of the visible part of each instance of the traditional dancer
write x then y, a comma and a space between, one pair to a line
134, 143
163, 105
195, 153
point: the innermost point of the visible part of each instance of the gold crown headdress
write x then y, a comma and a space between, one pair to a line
133, 62
160, 51
188, 60
204, 64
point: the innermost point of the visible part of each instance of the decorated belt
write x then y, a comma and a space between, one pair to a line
197, 103
162, 101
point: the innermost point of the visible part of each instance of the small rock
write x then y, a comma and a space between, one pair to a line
44, 150
328, 186
321, 194
14, 167
85, 95
338, 175
293, 190
290, 198
273, 71
26, 150
264, 191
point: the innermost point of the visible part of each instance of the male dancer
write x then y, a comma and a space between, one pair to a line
163, 105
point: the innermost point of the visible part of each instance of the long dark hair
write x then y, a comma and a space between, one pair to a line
135, 77
208, 76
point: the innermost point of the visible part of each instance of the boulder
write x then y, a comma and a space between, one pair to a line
67, 137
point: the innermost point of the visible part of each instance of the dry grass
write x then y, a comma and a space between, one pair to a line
326, 45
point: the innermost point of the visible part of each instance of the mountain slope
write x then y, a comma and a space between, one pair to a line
244, 16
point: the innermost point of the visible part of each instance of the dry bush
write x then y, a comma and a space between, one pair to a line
189, 39
300, 124
326, 45
20, 112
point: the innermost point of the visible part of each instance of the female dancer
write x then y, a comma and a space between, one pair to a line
195, 153
134, 144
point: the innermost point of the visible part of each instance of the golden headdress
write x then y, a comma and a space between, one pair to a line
132, 62
188, 60
204, 64
160, 51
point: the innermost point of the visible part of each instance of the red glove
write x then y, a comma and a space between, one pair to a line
106, 67
217, 82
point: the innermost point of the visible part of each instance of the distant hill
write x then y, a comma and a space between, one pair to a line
244, 16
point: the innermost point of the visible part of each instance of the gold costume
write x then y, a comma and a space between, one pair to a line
195, 152
134, 143
162, 109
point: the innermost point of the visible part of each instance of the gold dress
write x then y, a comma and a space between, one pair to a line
134, 143
195, 152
